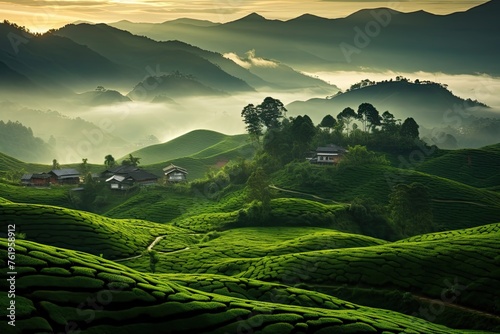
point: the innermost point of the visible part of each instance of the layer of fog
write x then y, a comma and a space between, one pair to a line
168, 121
132, 122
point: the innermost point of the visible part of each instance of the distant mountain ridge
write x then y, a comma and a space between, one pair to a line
55, 62
426, 101
172, 85
72, 137
101, 96
18, 141
81, 57
145, 55
462, 42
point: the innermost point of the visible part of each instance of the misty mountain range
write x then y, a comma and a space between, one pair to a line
81, 57
462, 42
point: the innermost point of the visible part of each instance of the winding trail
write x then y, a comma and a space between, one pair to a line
457, 201
150, 247
430, 301
157, 240
456, 306
272, 186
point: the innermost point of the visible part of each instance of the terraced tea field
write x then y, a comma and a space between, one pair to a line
467, 261
493, 229
57, 288
78, 230
284, 212
50, 196
478, 168
455, 205
224, 265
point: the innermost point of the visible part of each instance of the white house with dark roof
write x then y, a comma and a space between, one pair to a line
328, 155
175, 173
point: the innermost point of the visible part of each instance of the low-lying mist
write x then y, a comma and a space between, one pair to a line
92, 132
75, 131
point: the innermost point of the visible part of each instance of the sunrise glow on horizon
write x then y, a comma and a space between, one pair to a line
42, 15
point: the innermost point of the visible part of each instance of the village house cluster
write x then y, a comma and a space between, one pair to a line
127, 176
118, 178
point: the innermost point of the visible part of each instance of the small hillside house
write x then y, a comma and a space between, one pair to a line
64, 176
125, 177
36, 179
118, 170
175, 174
328, 155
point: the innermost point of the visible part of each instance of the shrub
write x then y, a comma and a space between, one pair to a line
359, 155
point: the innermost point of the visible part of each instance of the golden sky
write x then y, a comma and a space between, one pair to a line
41, 15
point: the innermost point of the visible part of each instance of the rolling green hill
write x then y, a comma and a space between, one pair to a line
34, 195
78, 230
462, 268
443, 236
54, 288
9, 164
196, 144
455, 205
198, 151
478, 168
283, 212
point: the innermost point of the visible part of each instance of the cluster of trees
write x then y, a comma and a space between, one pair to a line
380, 132
267, 115
287, 139
399, 78
283, 140
372, 122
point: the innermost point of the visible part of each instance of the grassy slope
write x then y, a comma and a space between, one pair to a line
188, 145
55, 287
479, 168
8, 163
82, 231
